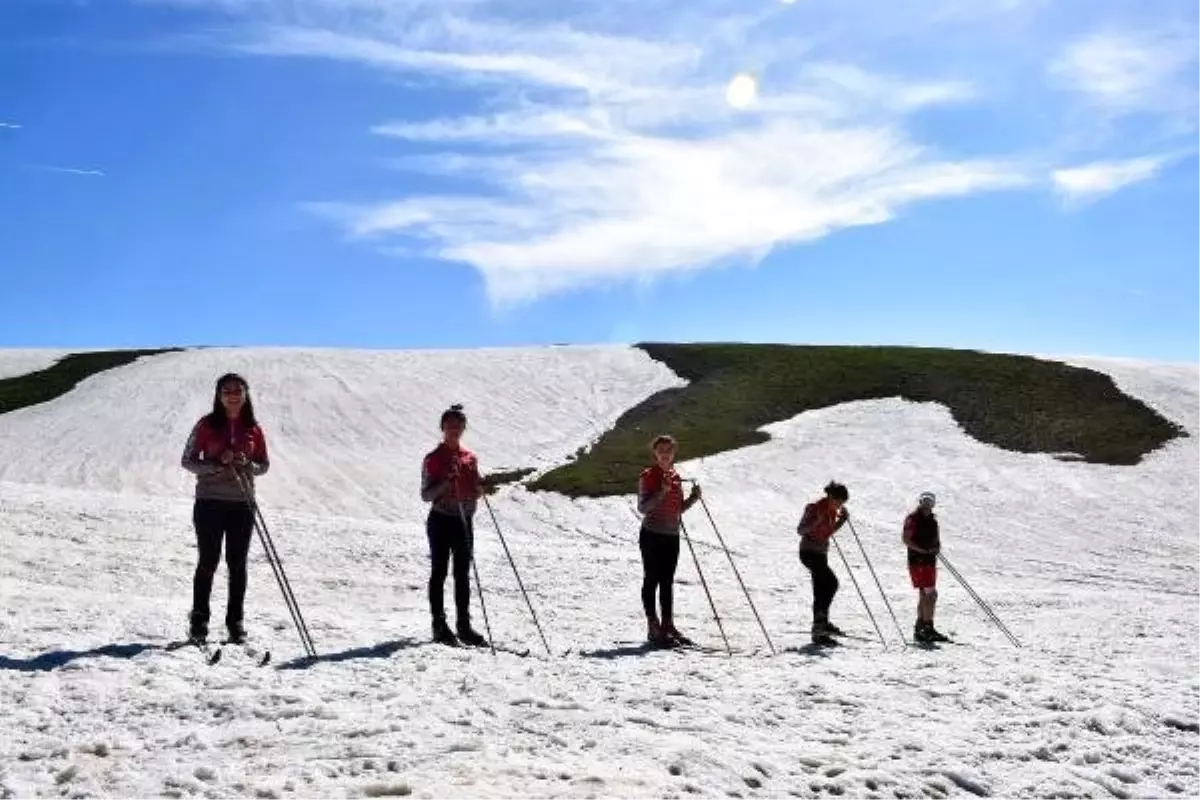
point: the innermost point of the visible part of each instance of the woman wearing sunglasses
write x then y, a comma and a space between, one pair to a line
923, 540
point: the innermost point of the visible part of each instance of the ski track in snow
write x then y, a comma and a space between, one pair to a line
1094, 568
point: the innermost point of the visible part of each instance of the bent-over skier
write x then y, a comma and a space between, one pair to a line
821, 520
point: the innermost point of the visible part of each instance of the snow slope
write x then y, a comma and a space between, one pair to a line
1094, 568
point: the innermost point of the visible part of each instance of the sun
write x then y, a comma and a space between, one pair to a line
742, 91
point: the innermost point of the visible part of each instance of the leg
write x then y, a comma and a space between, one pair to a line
650, 570
439, 556
206, 519
651, 577
462, 545
239, 528
825, 585
666, 578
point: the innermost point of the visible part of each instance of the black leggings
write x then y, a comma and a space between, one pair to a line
448, 537
660, 555
215, 520
825, 583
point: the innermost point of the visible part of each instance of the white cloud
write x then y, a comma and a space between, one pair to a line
9, 125
68, 170
603, 146
1089, 182
1124, 72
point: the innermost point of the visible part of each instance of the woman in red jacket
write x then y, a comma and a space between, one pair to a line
226, 451
452, 485
661, 503
820, 522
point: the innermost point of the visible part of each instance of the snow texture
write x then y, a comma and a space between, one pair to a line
21, 362
1093, 567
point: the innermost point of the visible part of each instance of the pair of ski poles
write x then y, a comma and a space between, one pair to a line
289, 596
737, 574
987, 609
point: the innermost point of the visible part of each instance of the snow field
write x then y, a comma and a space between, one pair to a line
1093, 567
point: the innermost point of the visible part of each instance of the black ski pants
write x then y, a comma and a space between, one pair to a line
660, 556
449, 538
215, 520
824, 582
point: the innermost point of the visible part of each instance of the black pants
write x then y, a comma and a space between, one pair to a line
825, 583
215, 520
660, 556
448, 537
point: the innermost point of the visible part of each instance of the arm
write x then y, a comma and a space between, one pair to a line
191, 460
910, 534
692, 497
650, 498
259, 461
807, 521
432, 487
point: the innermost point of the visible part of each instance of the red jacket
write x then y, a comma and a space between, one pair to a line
818, 525
436, 486
202, 458
661, 516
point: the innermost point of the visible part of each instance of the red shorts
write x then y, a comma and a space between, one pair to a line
924, 576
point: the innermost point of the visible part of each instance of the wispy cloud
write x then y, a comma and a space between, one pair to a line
601, 146
9, 125
1090, 182
1123, 72
67, 170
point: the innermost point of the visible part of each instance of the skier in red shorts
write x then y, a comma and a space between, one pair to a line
923, 541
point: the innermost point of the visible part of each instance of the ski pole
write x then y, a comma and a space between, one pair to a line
861, 596
886, 602
285, 586
987, 609
729, 555
469, 534
700, 572
513, 564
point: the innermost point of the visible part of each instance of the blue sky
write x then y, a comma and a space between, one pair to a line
1016, 175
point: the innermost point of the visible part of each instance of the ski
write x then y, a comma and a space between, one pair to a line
260, 656
211, 654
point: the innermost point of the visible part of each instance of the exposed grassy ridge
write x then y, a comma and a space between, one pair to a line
1014, 402
63, 376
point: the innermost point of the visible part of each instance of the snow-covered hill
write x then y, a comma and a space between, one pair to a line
1093, 567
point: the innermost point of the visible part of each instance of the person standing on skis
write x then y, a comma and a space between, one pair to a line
820, 521
661, 504
923, 540
451, 483
226, 451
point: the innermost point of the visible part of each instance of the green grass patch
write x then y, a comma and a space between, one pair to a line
1014, 402
64, 375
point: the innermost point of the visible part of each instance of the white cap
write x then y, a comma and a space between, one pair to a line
927, 496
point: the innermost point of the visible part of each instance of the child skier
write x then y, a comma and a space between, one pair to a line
923, 541
661, 503
451, 483
821, 520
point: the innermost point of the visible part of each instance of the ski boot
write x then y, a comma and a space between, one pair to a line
932, 634
197, 630
833, 630
821, 634
822, 631
469, 636
655, 635
672, 634
442, 633
237, 632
